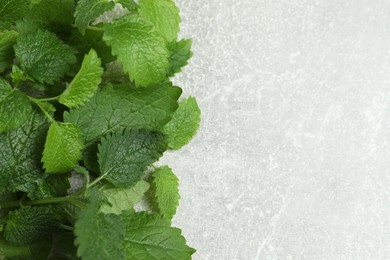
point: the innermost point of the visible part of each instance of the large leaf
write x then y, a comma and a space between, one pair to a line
43, 56
164, 14
128, 236
15, 107
85, 83
125, 107
20, 154
139, 48
62, 148
124, 157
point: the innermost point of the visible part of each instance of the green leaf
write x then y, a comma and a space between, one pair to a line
123, 107
184, 124
15, 107
85, 83
28, 224
44, 56
88, 10
11, 11
139, 48
180, 53
152, 237
164, 15
165, 190
7, 41
121, 199
131, 5
124, 157
20, 154
99, 236
62, 148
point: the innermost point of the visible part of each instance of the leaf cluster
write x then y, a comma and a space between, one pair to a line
90, 99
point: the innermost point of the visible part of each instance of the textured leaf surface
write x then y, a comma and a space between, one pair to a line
15, 108
165, 190
121, 199
20, 154
99, 236
164, 15
125, 107
129, 4
152, 237
62, 148
184, 124
27, 224
139, 48
85, 83
7, 40
88, 10
11, 11
180, 53
124, 157
44, 56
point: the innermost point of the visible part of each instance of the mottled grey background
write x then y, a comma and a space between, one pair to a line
292, 159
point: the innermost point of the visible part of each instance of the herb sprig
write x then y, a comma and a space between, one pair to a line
89, 100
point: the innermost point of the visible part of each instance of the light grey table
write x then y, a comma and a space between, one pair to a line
293, 157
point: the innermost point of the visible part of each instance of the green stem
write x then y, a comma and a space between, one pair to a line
17, 203
66, 227
48, 99
95, 181
93, 28
38, 103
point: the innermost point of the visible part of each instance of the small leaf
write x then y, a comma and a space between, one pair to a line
27, 224
121, 199
15, 107
124, 157
184, 124
139, 48
7, 41
85, 83
88, 10
164, 14
165, 190
180, 53
44, 56
62, 148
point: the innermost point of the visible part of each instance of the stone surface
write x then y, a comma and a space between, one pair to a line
292, 158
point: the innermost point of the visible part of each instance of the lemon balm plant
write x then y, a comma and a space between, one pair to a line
79, 97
